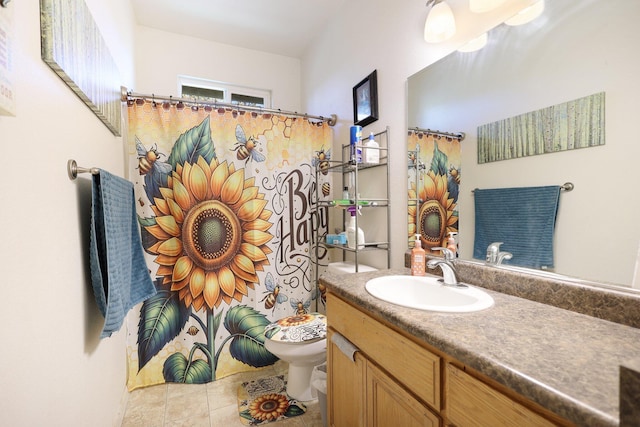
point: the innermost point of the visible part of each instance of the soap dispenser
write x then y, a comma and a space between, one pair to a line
451, 244
418, 258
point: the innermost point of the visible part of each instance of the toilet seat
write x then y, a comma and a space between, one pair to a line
298, 329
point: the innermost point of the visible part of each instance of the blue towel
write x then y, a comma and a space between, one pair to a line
119, 274
523, 218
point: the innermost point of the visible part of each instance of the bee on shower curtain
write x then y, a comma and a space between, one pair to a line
273, 297
300, 307
246, 149
321, 160
155, 171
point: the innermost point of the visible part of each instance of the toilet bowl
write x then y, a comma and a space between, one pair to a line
299, 340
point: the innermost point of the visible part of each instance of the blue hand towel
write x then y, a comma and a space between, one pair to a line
523, 218
119, 274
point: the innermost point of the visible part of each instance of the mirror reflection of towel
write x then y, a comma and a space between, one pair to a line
523, 218
119, 273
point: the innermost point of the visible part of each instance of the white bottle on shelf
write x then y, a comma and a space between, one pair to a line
352, 233
372, 151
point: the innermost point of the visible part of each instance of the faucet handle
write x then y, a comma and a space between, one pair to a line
492, 252
448, 254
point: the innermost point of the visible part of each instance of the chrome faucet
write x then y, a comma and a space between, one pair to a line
495, 256
449, 275
492, 252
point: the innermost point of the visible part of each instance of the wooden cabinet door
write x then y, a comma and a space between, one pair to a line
389, 349
389, 404
345, 387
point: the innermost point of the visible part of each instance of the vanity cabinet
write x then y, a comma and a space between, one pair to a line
380, 387
393, 380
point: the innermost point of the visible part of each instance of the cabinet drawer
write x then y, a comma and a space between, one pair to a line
410, 364
471, 402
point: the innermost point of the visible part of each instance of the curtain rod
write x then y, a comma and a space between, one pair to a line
459, 135
129, 96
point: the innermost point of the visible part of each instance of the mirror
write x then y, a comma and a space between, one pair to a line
574, 49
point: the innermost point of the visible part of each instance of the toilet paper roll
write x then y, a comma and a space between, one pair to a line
344, 345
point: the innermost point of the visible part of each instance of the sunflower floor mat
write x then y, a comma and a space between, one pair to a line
265, 400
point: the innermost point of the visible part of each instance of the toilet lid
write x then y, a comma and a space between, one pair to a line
298, 328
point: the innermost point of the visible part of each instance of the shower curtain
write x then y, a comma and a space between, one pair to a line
227, 212
434, 180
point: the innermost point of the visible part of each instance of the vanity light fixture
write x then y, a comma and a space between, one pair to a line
481, 6
475, 44
527, 14
440, 24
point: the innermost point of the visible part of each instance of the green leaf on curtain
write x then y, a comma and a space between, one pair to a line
246, 325
147, 238
192, 144
177, 369
439, 162
162, 317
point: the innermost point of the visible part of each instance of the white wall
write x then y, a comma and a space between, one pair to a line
54, 370
162, 56
384, 35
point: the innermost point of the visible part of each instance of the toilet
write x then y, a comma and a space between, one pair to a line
300, 340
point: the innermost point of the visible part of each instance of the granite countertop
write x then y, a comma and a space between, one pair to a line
565, 361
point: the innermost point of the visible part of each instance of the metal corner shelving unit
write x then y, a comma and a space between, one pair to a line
355, 172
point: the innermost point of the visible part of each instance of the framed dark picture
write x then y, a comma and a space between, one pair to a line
365, 100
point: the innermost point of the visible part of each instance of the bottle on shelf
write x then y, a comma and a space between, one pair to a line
355, 145
354, 236
372, 151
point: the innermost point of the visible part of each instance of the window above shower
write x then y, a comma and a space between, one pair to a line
214, 91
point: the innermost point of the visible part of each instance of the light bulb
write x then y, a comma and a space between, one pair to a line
440, 24
481, 6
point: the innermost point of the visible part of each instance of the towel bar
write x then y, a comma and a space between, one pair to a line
73, 169
567, 186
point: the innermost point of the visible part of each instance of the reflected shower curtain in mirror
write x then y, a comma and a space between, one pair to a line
226, 205
434, 179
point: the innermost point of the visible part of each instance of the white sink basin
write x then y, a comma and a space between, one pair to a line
427, 293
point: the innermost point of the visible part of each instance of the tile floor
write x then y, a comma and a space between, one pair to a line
207, 405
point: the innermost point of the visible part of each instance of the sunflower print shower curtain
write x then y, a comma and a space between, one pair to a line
434, 180
227, 212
